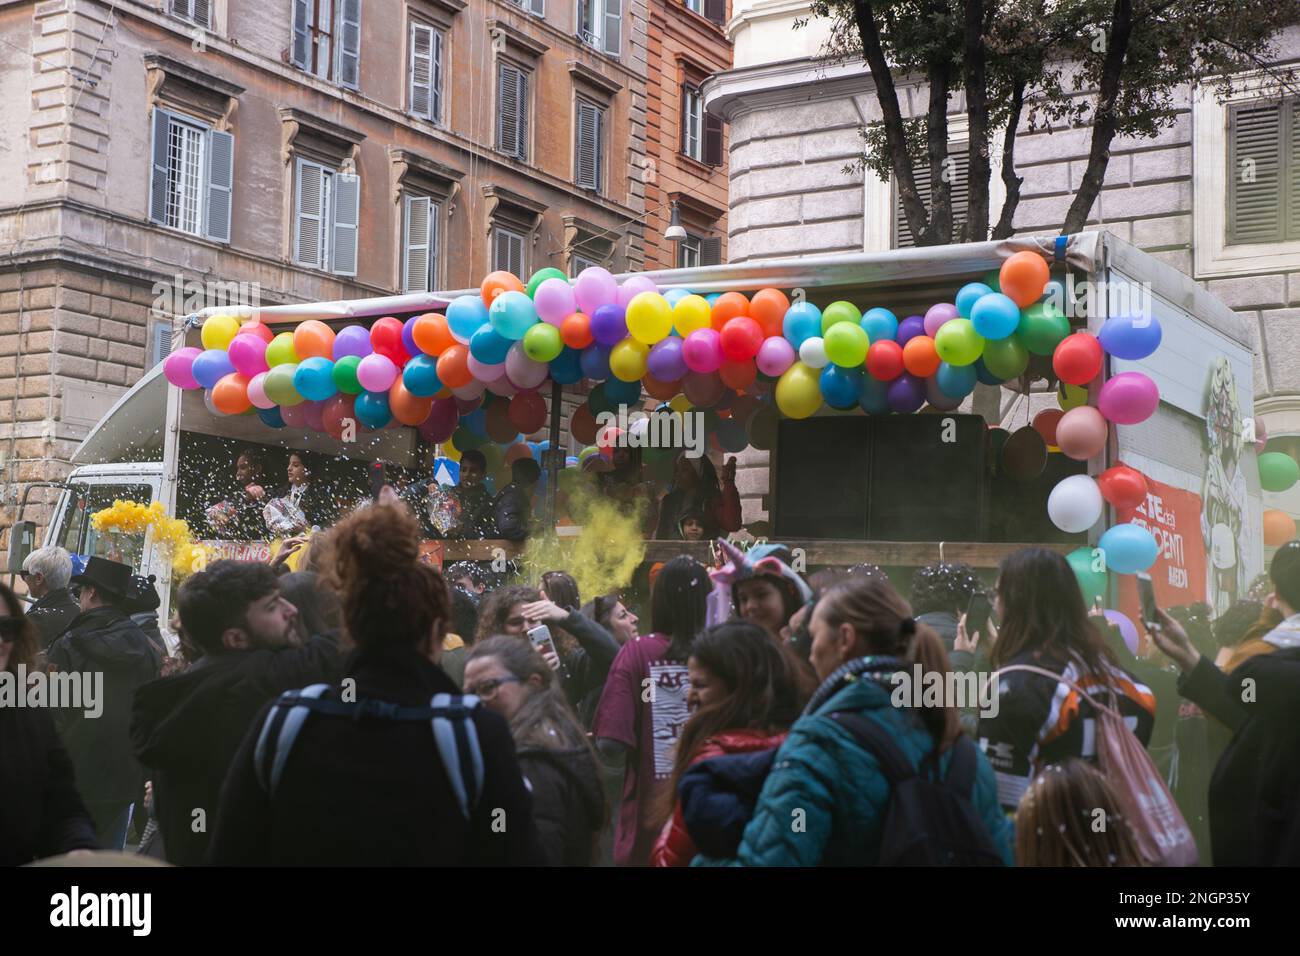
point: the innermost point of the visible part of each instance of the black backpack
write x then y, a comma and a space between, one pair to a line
929, 822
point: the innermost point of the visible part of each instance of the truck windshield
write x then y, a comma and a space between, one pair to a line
77, 535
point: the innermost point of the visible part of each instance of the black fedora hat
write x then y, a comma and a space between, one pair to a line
111, 577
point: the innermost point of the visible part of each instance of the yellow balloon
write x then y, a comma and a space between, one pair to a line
680, 404
449, 450
627, 360
218, 330
692, 312
649, 317
1071, 396
798, 391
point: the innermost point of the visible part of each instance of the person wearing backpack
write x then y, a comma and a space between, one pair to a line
392, 766
864, 773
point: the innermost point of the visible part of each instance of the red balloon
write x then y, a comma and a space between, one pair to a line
386, 339
527, 411
336, 412
1122, 486
517, 452
662, 390
583, 425
499, 427
885, 360
1045, 424
1077, 358
737, 375
702, 389
741, 338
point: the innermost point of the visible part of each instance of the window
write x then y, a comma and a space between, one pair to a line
694, 5
577, 263
192, 175
327, 39
512, 111
326, 206
921, 174
78, 535
600, 25
198, 12
1264, 172
589, 146
701, 133
507, 251
713, 10
426, 72
420, 245
161, 345
536, 7
699, 251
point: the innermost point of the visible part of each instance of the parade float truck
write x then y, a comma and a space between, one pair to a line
963, 479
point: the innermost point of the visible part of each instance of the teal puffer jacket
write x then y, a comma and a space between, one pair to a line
825, 801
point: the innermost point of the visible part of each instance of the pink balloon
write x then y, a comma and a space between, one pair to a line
503, 387
1081, 433
775, 355
178, 367
1128, 398
937, 315
295, 416
633, 287
247, 353
257, 391
472, 390
483, 372
553, 299
255, 327
1127, 629
466, 405
442, 421
593, 288
702, 351
312, 413
376, 373
522, 371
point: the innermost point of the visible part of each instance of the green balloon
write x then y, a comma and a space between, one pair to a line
598, 401
278, 385
846, 344
1091, 583
464, 439
1042, 327
993, 279
1277, 472
280, 351
540, 276
958, 343
840, 312
542, 342
1006, 358
345, 375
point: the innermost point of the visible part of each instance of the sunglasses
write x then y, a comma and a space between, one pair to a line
10, 628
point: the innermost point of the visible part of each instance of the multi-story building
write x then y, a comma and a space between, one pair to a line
163, 155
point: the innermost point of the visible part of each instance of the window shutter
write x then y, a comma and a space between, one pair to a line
711, 251
349, 45
220, 179
158, 174
1254, 170
347, 213
712, 140
435, 211
435, 79
307, 215
500, 251
686, 119
302, 23
162, 343
959, 193
507, 109
517, 255
416, 278
1293, 173
600, 147
613, 36
521, 135
715, 10
201, 13
422, 39
587, 162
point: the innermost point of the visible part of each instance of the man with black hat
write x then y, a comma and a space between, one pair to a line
103, 640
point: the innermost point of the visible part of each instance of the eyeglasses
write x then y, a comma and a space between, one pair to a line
10, 628
487, 689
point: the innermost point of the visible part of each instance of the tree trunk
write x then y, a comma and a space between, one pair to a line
976, 228
939, 231
1006, 221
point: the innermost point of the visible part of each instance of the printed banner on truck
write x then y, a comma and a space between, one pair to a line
1173, 516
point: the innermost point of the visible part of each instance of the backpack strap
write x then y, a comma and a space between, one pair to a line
279, 731
1044, 672
895, 765
458, 745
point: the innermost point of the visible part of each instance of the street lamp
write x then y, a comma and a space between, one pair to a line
675, 230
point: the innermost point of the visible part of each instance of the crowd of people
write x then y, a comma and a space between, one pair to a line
369, 708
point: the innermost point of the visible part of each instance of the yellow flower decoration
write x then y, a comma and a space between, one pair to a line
131, 517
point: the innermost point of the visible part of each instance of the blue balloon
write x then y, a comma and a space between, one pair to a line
489, 346
732, 436
566, 368
595, 362
840, 386
955, 381
712, 297
420, 376
271, 416
210, 365
314, 378
372, 409
622, 393
995, 316
873, 395
466, 315
879, 324
1129, 337
1128, 548
968, 295
512, 314
803, 320
675, 295
476, 421
984, 375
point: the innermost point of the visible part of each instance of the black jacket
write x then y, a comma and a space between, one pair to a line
514, 512
584, 670
41, 813
105, 641
374, 791
477, 514
568, 802
53, 613
187, 729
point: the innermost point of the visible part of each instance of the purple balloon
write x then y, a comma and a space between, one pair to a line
1125, 399
1127, 629
353, 340
595, 362
938, 398
593, 288
553, 299
937, 315
634, 286
408, 339
775, 355
608, 325
906, 393
665, 360
442, 421
910, 328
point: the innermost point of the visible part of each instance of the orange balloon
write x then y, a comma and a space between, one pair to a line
498, 282
768, 308
583, 425
445, 393
407, 408
1279, 527
575, 331
431, 334
920, 357
1023, 278
738, 375
1045, 423
660, 390
255, 327
517, 452
313, 339
230, 394
726, 307
453, 367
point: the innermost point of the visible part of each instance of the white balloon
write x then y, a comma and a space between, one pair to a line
813, 352
1075, 504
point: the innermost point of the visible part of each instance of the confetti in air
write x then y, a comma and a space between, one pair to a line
131, 517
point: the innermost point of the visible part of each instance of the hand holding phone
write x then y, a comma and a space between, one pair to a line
1150, 610
978, 612
543, 643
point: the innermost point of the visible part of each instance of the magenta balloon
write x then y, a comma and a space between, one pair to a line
937, 315
1127, 629
178, 368
484, 372
522, 371
248, 354
1128, 398
593, 288
775, 355
634, 286
553, 299
703, 389
376, 373
312, 415
442, 421
257, 392
702, 351
295, 416
353, 340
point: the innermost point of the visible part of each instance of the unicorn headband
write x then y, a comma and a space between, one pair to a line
741, 568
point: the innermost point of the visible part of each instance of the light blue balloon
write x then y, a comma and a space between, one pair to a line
1123, 336
210, 366
873, 396
995, 316
803, 320
420, 376
314, 378
1129, 548
372, 410
271, 416
712, 297
489, 346
676, 295
840, 386
968, 295
879, 324
512, 314
956, 381
466, 315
